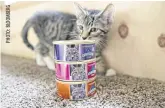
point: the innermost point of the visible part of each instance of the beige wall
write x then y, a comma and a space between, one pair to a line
138, 54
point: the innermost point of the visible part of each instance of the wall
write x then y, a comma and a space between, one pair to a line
138, 54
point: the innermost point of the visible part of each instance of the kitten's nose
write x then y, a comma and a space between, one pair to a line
84, 38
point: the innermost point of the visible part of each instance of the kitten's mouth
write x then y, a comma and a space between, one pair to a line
84, 38
88, 38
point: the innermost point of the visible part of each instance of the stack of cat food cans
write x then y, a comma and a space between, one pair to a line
75, 65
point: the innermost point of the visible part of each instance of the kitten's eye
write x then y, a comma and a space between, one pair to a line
80, 27
94, 29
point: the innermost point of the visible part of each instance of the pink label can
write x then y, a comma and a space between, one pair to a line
75, 71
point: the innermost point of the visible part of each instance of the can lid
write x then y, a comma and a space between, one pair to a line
75, 62
74, 42
76, 82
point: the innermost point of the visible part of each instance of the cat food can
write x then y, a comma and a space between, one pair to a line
75, 71
74, 50
76, 90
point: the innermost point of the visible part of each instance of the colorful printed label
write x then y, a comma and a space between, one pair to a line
91, 70
62, 71
59, 52
74, 52
63, 90
91, 88
72, 72
77, 91
75, 72
87, 51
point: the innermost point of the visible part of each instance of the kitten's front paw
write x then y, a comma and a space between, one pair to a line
49, 62
40, 63
110, 72
51, 67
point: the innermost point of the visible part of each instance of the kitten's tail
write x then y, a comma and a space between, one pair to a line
24, 34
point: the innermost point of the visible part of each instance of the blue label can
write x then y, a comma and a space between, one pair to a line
87, 51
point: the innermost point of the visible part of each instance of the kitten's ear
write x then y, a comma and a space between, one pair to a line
79, 10
108, 13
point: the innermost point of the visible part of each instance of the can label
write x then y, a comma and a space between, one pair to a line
74, 52
75, 91
63, 90
87, 51
75, 72
62, 71
59, 52
91, 70
66, 52
91, 88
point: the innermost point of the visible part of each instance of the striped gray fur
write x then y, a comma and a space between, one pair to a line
50, 26
95, 25
86, 25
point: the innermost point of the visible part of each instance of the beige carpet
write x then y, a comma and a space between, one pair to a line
25, 85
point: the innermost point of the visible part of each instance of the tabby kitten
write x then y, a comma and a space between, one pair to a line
49, 26
87, 25
95, 25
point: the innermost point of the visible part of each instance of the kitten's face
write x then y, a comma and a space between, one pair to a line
94, 24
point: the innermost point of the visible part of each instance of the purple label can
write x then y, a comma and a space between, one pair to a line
74, 50
67, 52
87, 51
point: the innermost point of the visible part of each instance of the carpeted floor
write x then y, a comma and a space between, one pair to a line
25, 85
